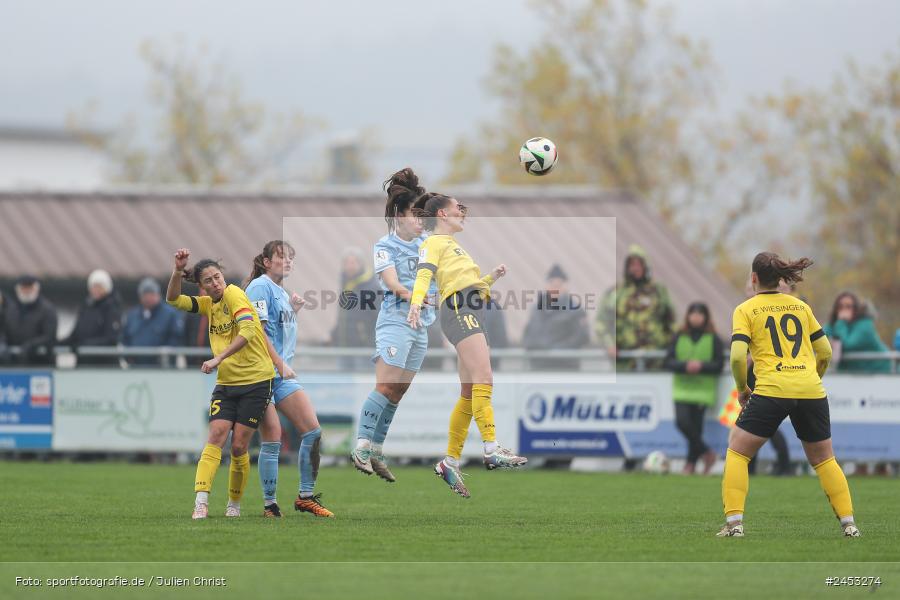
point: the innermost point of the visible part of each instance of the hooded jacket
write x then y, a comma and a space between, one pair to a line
638, 312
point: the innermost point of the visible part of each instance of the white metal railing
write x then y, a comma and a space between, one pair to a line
333, 358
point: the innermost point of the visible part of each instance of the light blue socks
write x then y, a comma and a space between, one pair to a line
268, 469
309, 461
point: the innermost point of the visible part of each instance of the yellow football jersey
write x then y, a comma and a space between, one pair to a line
233, 315
780, 330
452, 267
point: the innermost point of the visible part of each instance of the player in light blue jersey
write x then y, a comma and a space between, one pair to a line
277, 311
399, 349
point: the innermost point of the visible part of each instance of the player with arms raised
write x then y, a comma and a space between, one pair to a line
790, 354
463, 294
243, 381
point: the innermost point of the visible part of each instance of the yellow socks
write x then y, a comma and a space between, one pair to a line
483, 411
460, 419
207, 467
832, 479
237, 476
735, 484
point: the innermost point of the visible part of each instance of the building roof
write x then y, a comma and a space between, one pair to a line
132, 233
53, 135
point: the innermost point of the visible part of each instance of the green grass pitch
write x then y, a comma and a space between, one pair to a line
522, 534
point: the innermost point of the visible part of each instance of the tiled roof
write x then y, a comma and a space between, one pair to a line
134, 232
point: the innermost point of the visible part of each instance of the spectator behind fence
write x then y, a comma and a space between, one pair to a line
637, 314
358, 307
696, 357
558, 322
151, 323
99, 320
852, 325
29, 321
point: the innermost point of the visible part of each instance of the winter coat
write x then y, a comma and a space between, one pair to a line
161, 325
639, 313
559, 323
98, 324
33, 328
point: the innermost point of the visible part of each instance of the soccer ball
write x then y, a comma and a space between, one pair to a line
656, 462
538, 155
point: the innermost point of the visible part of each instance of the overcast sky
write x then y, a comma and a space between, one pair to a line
410, 69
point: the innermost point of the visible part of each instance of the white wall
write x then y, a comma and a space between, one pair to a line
43, 164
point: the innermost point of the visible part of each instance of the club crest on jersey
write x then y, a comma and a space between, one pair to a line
225, 308
392, 351
382, 258
261, 309
459, 251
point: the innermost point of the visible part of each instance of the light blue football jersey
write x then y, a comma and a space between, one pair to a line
273, 305
392, 251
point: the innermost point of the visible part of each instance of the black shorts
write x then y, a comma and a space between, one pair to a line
462, 315
244, 404
762, 415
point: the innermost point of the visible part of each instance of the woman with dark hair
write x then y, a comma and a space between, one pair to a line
243, 381
277, 312
790, 354
463, 292
399, 348
695, 356
853, 326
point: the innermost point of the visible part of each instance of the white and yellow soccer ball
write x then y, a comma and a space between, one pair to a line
538, 155
657, 463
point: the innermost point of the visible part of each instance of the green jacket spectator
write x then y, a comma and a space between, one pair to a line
853, 326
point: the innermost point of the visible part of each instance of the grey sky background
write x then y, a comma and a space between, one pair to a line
410, 70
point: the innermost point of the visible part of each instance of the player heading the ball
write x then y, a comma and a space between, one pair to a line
463, 293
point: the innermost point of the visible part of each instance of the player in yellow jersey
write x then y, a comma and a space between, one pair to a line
243, 381
463, 293
790, 354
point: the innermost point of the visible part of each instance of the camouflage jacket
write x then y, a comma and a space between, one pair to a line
640, 315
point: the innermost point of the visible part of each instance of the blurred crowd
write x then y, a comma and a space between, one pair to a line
29, 322
636, 315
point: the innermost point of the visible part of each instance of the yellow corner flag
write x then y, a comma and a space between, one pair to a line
730, 410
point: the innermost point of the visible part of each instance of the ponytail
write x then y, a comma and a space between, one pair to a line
258, 268
770, 268
427, 207
269, 250
402, 190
